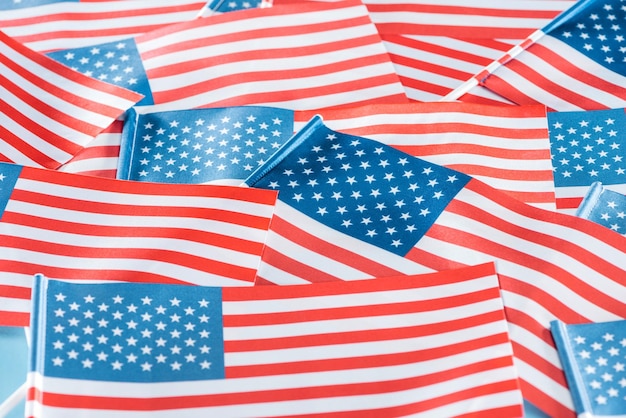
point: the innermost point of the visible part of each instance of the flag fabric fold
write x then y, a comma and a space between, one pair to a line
350, 208
573, 63
434, 345
590, 354
48, 111
87, 228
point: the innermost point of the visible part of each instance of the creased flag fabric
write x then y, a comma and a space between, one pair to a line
218, 145
573, 63
100, 156
49, 112
595, 371
506, 147
302, 56
431, 345
587, 147
88, 228
350, 208
605, 207
67, 24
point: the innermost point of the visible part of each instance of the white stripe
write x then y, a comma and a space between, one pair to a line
472, 20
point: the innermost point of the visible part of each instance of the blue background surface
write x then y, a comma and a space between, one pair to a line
13, 365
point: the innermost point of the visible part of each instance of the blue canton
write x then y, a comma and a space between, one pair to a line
201, 145
224, 6
9, 173
360, 187
605, 207
116, 62
587, 147
21, 4
595, 29
597, 353
133, 332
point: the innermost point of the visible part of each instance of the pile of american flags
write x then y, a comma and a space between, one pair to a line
311, 208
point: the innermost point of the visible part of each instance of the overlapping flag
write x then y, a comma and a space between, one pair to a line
351, 208
436, 225
87, 228
435, 345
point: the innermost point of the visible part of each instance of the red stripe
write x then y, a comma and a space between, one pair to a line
457, 11
544, 402
14, 319
500, 86
454, 31
14, 292
568, 202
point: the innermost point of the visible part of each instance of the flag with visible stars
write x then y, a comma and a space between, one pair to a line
225, 6
222, 145
586, 147
72, 226
115, 62
435, 344
593, 358
576, 62
71, 24
604, 206
48, 111
351, 208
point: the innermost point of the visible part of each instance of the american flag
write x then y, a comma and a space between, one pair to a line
67, 24
574, 63
506, 147
434, 344
225, 6
301, 56
592, 355
605, 207
351, 208
587, 146
49, 112
87, 228
223, 145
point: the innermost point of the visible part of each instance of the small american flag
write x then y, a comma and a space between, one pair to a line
79, 227
201, 145
604, 206
71, 24
592, 355
50, 112
350, 208
574, 63
587, 147
435, 344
